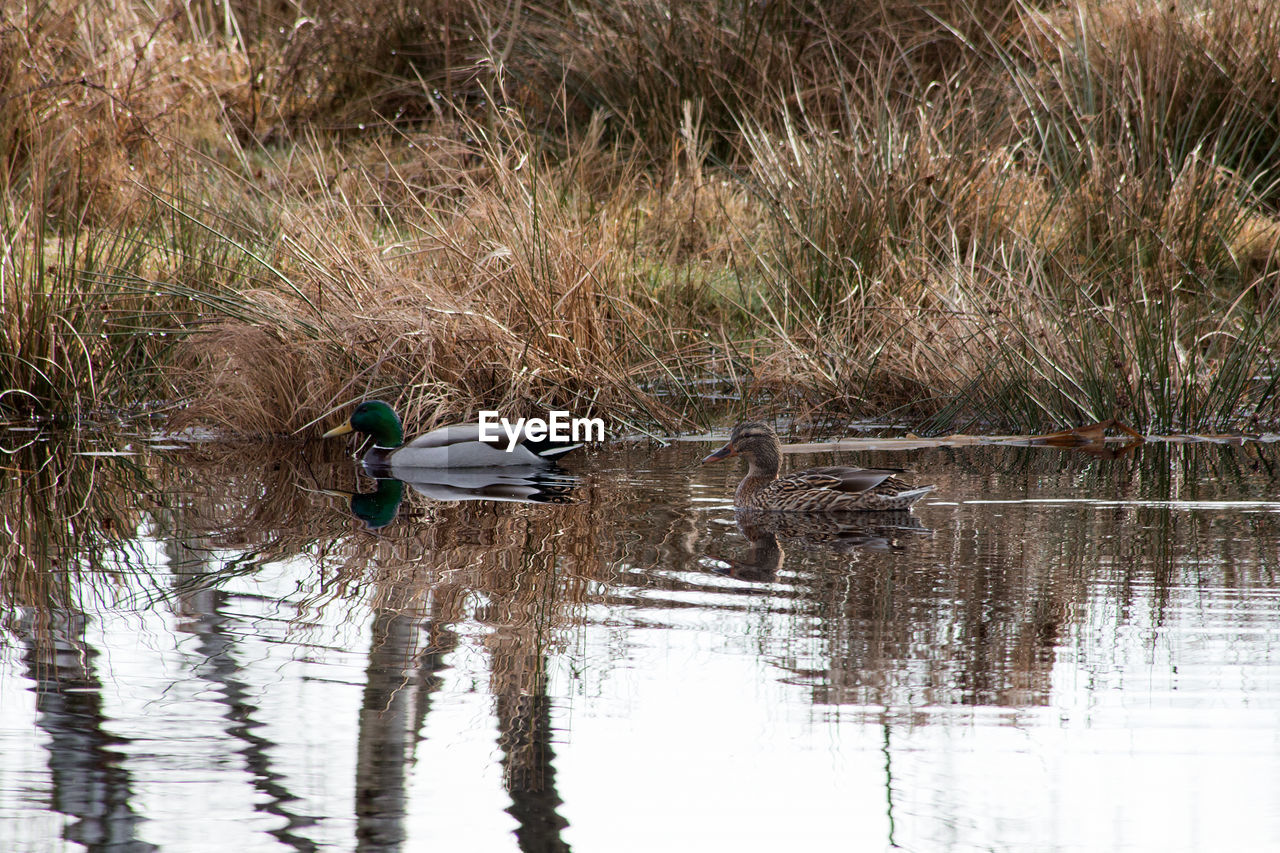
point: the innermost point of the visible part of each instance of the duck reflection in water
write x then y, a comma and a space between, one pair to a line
838, 533
512, 485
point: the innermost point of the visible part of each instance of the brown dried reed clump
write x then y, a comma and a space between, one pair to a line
951, 210
512, 291
98, 100
1062, 235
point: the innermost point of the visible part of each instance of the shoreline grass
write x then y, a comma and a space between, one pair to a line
1004, 216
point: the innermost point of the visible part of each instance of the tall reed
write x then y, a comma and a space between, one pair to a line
1048, 263
956, 213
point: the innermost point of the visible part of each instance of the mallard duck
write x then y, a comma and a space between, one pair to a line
830, 489
457, 446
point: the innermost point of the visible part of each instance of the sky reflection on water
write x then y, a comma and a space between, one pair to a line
1057, 652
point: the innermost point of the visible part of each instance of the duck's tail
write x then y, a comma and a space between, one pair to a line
913, 495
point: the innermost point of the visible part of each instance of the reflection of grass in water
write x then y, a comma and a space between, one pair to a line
220, 510
981, 611
975, 613
70, 519
531, 565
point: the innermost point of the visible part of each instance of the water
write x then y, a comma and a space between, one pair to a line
205, 650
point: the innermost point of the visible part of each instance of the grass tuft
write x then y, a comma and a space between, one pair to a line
992, 214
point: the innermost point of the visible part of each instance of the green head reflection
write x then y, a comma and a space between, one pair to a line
377, 508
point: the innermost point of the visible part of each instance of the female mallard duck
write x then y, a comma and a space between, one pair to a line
816, 490
457, 446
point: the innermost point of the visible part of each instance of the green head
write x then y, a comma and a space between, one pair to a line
375, 419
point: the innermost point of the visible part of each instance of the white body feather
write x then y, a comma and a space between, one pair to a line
459, 446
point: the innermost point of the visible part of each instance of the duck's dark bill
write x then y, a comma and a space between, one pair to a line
723, 453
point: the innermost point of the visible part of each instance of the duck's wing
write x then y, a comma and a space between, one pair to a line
837, 479
450, 436
467, 439
457, 446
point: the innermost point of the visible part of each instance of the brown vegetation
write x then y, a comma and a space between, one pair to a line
1001, 213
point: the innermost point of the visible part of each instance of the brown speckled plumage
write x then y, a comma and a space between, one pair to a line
831, 489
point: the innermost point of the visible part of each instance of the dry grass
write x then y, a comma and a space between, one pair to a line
511, 290
956, 212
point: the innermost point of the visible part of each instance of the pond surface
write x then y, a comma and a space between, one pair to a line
205, 650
